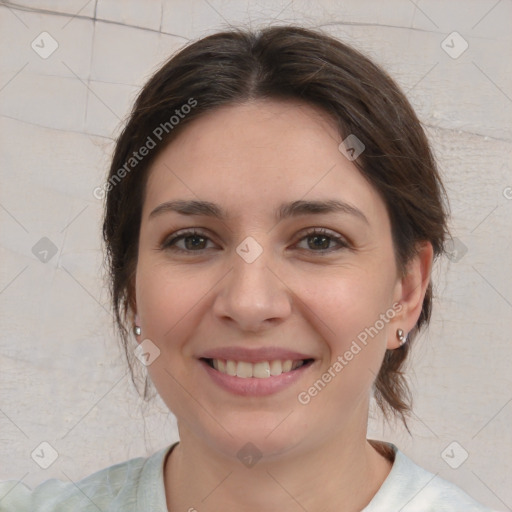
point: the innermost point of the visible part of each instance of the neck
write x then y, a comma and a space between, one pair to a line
341, 473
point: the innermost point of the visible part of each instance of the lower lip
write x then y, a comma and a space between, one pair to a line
253, 386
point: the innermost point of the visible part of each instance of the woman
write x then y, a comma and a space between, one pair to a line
273, 211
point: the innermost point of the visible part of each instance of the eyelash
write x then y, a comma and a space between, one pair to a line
170, 242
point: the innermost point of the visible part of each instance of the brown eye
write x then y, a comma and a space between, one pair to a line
320, 240
193, 241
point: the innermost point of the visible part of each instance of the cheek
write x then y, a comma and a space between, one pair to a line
350, 300
350, 321
353, 315
165, 297
170, 303
166, 302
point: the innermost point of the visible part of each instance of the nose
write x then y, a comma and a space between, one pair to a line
252, 295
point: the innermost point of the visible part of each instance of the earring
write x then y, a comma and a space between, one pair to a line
402, 337
137, 330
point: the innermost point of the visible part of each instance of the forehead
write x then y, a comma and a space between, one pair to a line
254, 156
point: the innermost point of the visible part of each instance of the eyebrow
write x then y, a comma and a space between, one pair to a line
286, 210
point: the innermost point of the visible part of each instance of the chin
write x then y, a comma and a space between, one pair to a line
269, 437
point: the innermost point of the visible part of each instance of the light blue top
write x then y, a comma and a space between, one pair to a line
138, 485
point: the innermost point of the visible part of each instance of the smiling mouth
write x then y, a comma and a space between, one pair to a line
259, 370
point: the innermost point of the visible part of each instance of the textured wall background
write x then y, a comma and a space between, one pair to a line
69, 72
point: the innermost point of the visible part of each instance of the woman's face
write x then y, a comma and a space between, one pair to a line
267, 282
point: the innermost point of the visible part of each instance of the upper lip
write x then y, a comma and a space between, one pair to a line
254, 355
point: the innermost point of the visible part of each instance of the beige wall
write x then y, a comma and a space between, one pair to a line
62, 377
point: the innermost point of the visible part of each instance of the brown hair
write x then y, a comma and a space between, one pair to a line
283, 63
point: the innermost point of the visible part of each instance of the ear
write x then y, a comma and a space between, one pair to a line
410, 291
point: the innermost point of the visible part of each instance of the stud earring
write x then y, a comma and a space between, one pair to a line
402, 337
137, 330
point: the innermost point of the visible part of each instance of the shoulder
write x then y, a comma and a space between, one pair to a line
124, 486
411, 488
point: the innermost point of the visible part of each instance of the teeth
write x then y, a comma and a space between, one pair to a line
276, 368
243, 369
287, 365
261, 370
230, 368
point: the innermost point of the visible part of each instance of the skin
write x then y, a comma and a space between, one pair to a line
249, 159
